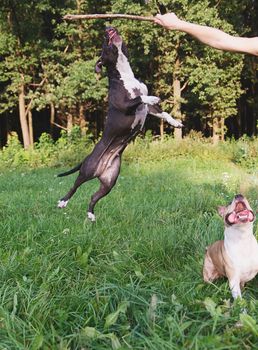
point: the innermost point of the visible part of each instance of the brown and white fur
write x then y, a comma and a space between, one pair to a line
235, 257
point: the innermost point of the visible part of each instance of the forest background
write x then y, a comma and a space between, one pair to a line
48, 83
133, 280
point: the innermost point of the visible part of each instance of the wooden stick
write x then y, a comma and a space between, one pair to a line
59, 126
108, 15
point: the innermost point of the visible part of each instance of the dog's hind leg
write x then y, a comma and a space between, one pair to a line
62, 203
107, 182
209, 271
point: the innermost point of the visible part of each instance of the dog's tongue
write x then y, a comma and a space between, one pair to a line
231, 218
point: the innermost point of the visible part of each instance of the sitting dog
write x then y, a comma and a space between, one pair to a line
128, 107
235, 257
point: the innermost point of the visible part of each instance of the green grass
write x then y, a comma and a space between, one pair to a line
133, 280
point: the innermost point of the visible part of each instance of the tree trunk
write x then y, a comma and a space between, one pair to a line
177, 99
215, 131
23, 119
52, 118
161, 128
222, 128
30, 123
82, 121
69, 122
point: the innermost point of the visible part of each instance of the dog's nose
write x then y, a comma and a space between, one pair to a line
239, 196
110, 33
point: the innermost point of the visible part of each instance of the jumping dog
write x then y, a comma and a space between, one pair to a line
128, 107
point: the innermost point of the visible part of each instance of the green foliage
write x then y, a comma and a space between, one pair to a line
36, 47
11, 154
80, 85
249, 324
245, 152
71, 148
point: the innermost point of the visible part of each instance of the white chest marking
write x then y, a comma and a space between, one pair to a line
131, 84
242, 249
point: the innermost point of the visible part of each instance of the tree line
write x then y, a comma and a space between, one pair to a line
48, 82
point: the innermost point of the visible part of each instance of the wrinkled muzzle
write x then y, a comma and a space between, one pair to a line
241, 213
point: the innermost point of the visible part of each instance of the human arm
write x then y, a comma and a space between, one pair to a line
210, 36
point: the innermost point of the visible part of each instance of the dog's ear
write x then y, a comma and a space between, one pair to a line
98, 66
221, 210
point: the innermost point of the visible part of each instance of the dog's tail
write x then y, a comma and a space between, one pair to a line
73, 170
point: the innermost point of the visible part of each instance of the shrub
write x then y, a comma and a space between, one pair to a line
13, 153
245, 152
71, 148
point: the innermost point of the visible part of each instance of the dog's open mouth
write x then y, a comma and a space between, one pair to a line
240, 215
111, 34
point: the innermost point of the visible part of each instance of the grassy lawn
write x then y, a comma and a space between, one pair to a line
132, 280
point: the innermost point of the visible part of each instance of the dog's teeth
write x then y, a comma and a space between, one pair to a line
243, 217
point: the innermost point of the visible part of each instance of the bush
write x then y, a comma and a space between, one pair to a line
13, 154
71, 148
245, 152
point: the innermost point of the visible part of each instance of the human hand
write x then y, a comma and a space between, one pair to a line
169, 20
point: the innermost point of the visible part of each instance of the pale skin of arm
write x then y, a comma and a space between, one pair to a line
210, 36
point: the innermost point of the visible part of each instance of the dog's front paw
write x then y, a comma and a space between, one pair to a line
150, 100
91, 216
177, 123
174, 122
62, 204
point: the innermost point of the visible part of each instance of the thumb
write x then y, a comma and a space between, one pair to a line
158, 16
